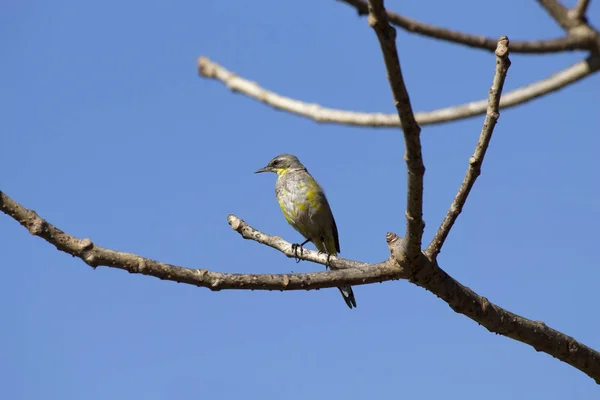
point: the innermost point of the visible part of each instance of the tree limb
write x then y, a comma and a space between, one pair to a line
579, 11
350, 272
429, 276
567, 43
498, 320
559, 13
475, 162
386, 35
574, 22
572, 74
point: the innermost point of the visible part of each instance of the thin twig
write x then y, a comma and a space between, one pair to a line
475, 162
386, 35
567, 43
320, 114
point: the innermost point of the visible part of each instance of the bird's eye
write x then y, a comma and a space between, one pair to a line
275, 163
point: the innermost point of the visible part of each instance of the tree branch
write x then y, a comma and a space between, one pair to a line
579, 11
574, 22
572, 74
277, 243
559, 13
386, 35
498, 320
350, 272
568, 43
475, 162
429, 276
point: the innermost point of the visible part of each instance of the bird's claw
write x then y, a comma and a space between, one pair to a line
327, 263
295, 247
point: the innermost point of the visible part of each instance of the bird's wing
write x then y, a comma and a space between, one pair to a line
335, 235
328, 228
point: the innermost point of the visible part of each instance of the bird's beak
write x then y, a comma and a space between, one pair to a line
265, 169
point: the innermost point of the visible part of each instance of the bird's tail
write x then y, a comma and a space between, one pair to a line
348, 296
331, 246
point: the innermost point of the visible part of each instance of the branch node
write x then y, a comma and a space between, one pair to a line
85, 245
391, 237
542, 324
201, 274
372, 21
90, 259
215, 285
502, 47
206, 67
579, 11
397, 246
235, 222
141, 266
36, 225
573, 347
484, 305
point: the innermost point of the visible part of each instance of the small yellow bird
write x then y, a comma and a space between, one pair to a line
306, 208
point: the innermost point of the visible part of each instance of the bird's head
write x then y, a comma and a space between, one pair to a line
282, 164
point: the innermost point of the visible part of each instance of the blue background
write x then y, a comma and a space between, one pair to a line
108, 133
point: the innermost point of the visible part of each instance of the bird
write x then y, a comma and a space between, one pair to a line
306, 209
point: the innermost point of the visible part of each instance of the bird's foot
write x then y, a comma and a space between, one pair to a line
295, 248
327, 263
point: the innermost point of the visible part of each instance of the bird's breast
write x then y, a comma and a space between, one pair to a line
298, 196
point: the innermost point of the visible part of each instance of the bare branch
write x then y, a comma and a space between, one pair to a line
568, 43
498, 320
430, 276
320, 114
574, 22
350, 272
277, 243
475, 162
386, 35
559, 13
579, 11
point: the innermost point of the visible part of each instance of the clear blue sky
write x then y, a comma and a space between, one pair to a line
108, 132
